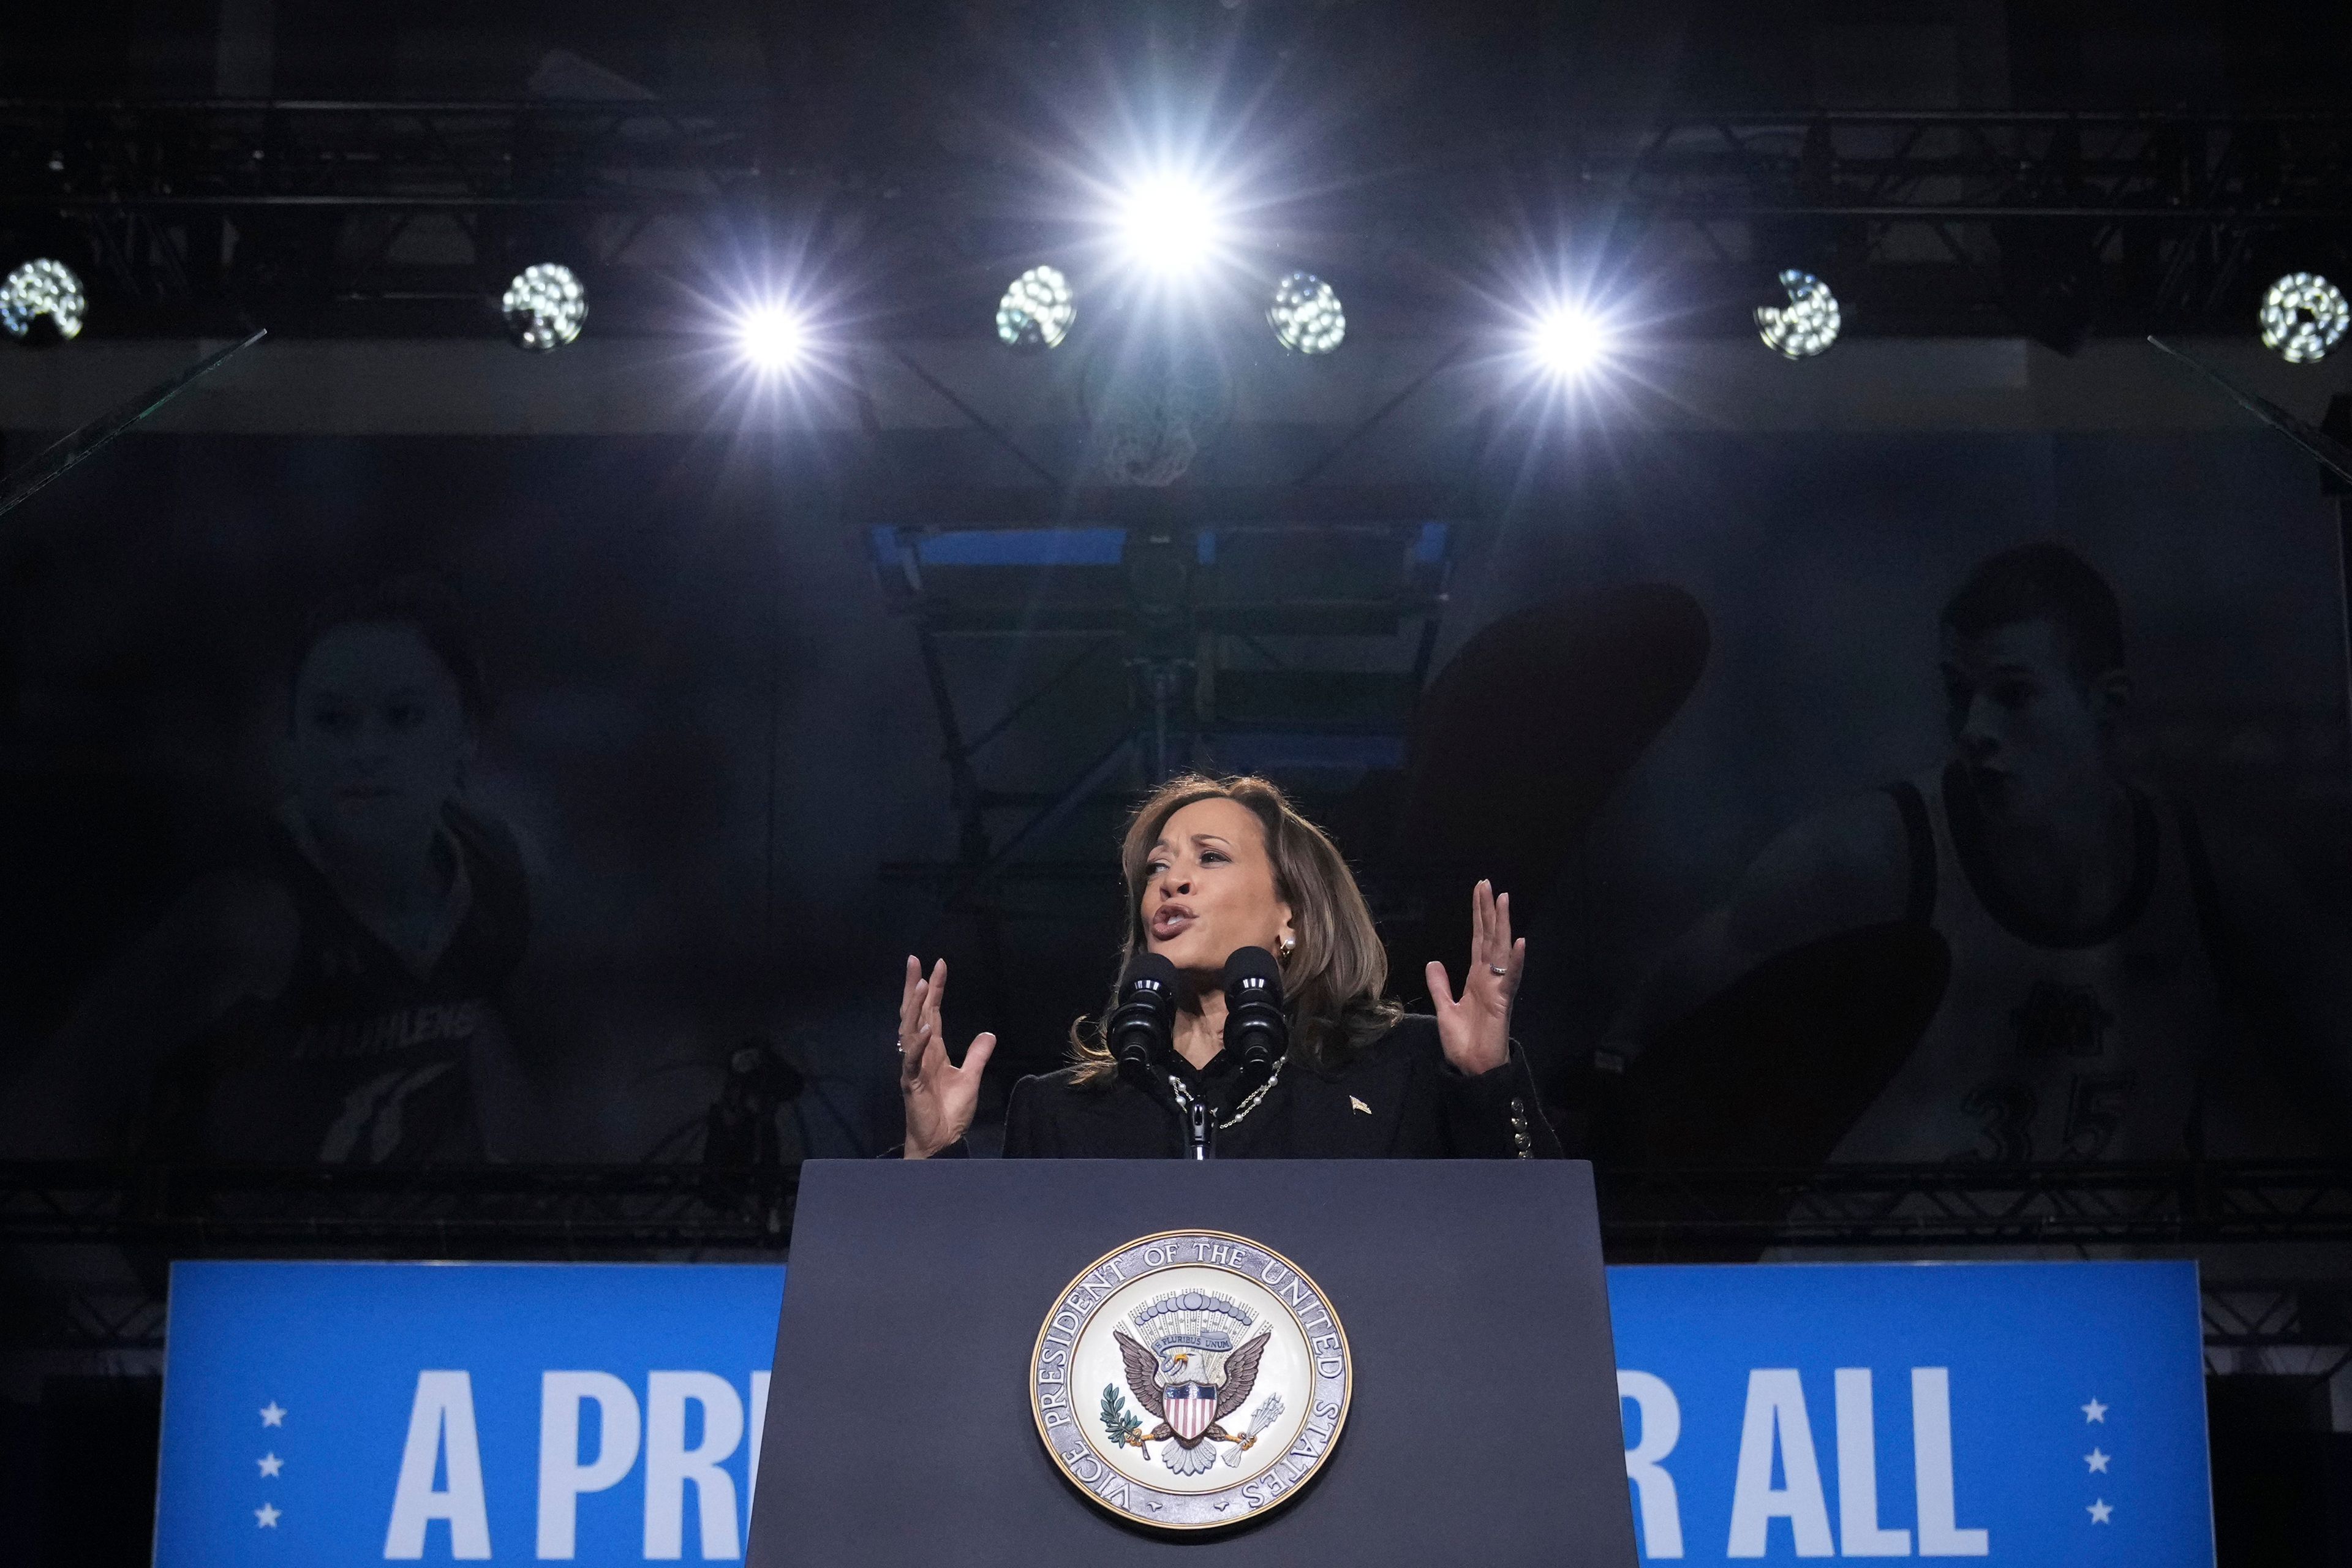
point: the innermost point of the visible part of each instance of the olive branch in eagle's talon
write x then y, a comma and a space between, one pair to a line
1121, 1424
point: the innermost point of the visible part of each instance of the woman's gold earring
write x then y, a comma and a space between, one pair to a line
1289, 946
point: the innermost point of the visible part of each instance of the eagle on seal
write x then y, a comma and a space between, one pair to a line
1191, 1391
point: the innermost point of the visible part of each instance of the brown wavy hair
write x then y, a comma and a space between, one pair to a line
1332, 980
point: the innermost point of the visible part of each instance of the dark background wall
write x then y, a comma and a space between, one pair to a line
709, 734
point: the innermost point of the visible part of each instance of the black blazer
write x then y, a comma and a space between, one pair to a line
1398, 1097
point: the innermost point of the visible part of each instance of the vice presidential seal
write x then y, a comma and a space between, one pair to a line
1191, 1380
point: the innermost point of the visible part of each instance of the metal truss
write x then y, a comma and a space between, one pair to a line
2060, 224
1943, 1206
51, 1314
443, 1211
389, 215
2296, 1328
2300, 1327
457, 1211
371, 216
1957, 167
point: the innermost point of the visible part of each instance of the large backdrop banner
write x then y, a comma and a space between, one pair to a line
2039, 1415
1910, 797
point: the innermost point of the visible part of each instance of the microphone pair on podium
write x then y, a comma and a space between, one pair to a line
1143, 1027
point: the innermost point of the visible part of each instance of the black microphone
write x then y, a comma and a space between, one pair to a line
1143, 1024
1257, 1030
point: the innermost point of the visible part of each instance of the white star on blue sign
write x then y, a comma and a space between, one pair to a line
267, 1516
273, 1415
2099, 1512
2094, 1411
271, 1464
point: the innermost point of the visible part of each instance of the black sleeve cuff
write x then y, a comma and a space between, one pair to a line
1495, 1116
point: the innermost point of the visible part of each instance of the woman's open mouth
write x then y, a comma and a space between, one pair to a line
1169, 919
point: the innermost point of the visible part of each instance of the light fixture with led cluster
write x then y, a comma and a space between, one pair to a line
544, 307
1807, 325
1036, 310
1305, 315
43, 301
2302, 317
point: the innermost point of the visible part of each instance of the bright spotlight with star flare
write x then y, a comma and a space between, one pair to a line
1169, 225
772, 337
1568, 341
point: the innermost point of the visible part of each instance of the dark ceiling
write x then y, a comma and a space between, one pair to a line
1931, 158
906, 67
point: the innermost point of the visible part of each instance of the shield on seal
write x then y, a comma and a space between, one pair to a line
1190, 1408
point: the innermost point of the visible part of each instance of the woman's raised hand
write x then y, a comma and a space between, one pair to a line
1475, 1029
940, 1096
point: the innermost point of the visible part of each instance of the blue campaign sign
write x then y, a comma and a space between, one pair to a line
366, 1412
2019, 1414
2022, 1414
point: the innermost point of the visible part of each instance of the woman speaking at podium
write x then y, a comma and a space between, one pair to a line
1248, 1021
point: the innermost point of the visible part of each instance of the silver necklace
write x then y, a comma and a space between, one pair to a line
1184, 1100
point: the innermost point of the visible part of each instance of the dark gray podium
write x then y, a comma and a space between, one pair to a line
1484, 1420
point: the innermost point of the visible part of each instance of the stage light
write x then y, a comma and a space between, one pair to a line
1036, 310
43, 301
544, 307
1305, 315
1568, 341
772, 337
1169, 225
2304, 316
1806, 324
